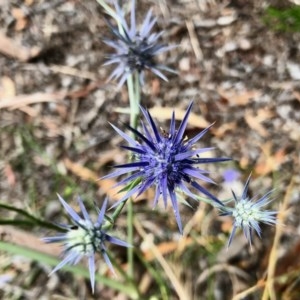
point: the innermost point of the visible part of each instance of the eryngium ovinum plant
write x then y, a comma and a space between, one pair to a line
169, 162
135, 48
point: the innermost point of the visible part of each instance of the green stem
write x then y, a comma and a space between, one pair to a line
137, 90
133, 85
31, 220
134, 100
130, 237
110, 220
126, 288
118, 211
108, 9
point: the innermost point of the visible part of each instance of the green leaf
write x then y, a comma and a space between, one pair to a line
285, 20
125, 288
30, 220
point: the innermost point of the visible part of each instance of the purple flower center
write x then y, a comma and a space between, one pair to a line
138, 56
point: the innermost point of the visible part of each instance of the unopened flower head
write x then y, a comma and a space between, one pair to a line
135, 49
249, 213
165, 160
83, 239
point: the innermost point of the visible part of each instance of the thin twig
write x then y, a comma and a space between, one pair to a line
67, 70
260, 284
269, 287
194, 40
14, 49
181, 292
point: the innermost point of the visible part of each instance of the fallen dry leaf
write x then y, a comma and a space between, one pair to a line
33, 113
13, 49
10, 175
107, 156
106, 185
244, 162
7, 87
224, 128
167, 247
239, 98
20, 18
155, 87
73, 72
296, 95
17, 13
20, 101
81, 171
165, 113
268, 161
86, 174
254, 120
28, 240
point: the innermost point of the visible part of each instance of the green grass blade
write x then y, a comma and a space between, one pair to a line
156, 274
124, 288
31, 220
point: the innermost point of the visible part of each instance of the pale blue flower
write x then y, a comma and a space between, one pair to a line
136, 49
83, 239
248, 213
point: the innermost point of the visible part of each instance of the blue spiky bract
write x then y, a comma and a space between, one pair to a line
166, 161
248, 213
136, 49
83, 239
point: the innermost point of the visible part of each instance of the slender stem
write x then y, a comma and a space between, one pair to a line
128, 289
137, 90
133, 85
131, 94
273, 258
32, 220
110, 220
118, 211
134, 100
130, 237
108, 9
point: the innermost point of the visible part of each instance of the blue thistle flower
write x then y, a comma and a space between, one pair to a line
83, 239
164, 160
135, 49
248, 213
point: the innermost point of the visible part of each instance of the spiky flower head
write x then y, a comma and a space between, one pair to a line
165, 160
135, 48
83, 239
248, 213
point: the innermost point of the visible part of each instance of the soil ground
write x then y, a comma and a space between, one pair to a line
55, 137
